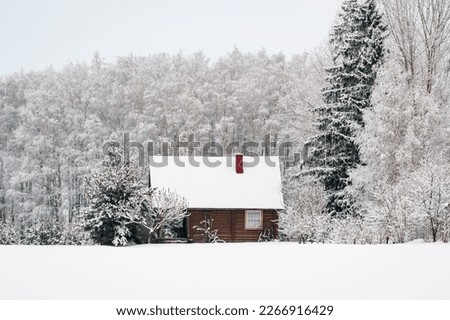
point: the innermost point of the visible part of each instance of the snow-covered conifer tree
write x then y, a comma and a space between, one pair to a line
116, 200
357, 41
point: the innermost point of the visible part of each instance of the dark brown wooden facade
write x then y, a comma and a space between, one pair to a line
230, 224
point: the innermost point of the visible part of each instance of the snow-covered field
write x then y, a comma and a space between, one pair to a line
226, 271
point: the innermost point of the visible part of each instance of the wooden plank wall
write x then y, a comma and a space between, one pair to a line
230, 224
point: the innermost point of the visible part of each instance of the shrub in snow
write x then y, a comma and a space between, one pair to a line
8, 234
430, 196
165, 212
209, 234
347, 230
305, 218
74, 233
387, 211
44, 228
267, 235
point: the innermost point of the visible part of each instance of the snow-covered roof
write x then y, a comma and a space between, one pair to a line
219, 186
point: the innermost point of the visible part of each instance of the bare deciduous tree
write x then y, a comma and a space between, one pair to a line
403, 21
435, 26
420, 30
168, 209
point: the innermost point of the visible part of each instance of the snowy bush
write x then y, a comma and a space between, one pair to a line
267, 235
166, 212
389, 213
430, 196
304, 218
74, 233
209, 234
8, 234
41, 229
347, 230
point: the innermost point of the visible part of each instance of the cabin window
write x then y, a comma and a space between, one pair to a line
253, 219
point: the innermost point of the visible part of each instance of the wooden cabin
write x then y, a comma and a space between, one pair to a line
239, 196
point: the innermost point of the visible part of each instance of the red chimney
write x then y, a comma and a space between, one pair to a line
239, 163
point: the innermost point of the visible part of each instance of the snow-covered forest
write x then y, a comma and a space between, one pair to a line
372, 105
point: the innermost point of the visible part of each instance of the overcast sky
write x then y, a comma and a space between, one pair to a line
37, 34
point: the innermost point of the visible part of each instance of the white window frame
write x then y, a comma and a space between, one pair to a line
260, 220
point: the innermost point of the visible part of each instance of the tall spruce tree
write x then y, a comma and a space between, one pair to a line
357, 42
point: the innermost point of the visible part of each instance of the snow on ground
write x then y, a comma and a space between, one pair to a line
226, 271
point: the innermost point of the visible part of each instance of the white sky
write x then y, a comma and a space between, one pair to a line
37, 34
